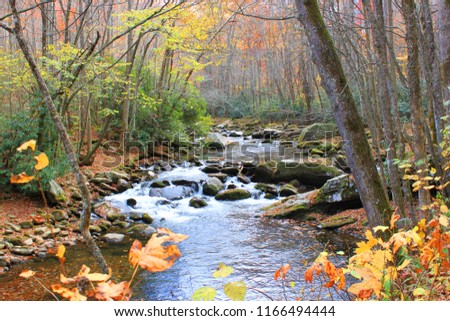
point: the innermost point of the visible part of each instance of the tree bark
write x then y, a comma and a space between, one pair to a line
80, 178
444, 48
361, 162
417, 114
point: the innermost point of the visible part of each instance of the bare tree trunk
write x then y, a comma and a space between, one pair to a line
324, 55
417, 114
386, 100
80, 178
444, 48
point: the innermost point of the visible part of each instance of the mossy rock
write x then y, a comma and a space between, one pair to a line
263, 173
267, 188
337, 221
136, 216
146, 218
287, 190
309, 173
212, 186
95, 229
159, 184
289, 207
339, 189
233, 195
318, 131
197, 202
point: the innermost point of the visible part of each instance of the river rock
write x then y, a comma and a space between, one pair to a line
211, 169
48, 234
95, 229
223, 177
318, 131
135, 216
212, 186
243, 179
121, 224
197, 202
142, 229
309, 173
26, 224
287, 190
113, 238
56, 195
4, 261
131, 202
337, 221
59, 215
233, 195
22, 250
146, 218
172, 192
267, 188
263, 173
338, 189
231, 171
290, 206
14, 227
123, 185
105, 209
159, 184
114, 176
17, 240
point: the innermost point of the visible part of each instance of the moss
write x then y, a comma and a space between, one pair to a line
233, 195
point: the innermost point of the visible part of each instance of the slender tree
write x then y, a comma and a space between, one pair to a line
351, 128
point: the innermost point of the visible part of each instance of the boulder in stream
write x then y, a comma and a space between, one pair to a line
172, 192
212, 186
233, 195
113, 238
197, 202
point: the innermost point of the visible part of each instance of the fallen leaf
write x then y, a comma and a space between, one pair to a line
42, 161
72, 295
155, 257
27, 274
235, 290
443, 220
21, 178
204, 294
29, 144
110, 291
222, 271
60, 252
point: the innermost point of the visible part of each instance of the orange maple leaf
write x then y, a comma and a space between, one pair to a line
72, 295
41, 161
315, 267
281, 272
155, 257
21, 178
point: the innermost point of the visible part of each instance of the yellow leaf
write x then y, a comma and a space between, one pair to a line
403, 265
61, 251
204, 294
420, 291
29, 144
42, 161
443, 220
444, 209
22, 178
222, 271
235, 290
380, 228
432, 171
27, 274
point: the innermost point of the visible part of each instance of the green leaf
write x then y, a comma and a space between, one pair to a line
204, 294
292, 284
355, 275
222, 271
420, 291
235, 290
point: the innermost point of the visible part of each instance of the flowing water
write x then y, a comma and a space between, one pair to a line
231, 232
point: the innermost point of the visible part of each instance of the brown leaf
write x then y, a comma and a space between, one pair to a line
22, 178
135, 253
42, 161
72, 295
84, 274
27, 274
110, 291
29, 144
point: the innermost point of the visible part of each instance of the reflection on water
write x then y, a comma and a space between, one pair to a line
228, 232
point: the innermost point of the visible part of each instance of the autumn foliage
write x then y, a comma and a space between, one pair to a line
154, 257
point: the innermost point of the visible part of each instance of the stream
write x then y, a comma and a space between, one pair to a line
231, 232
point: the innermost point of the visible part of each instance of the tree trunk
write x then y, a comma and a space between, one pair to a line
324, 55
80, 178
417, 114
444, 48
